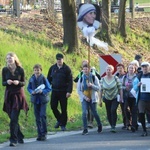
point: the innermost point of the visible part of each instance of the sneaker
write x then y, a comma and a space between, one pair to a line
12, 144
57, 125
113, 130
21, 141
41, 138
144, 133
99, 129
38, 138
63, 128
90, 125
85, 132
133, 129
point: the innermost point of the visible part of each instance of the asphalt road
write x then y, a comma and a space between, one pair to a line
73, 140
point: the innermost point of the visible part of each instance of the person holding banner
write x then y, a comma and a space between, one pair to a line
39, 88
88, 87
143, 94
89, 21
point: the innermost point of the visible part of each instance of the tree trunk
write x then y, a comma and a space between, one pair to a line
121, 18
131, 8
106, 20
69, 25
51, 11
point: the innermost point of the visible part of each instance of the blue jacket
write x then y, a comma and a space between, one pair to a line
34, 83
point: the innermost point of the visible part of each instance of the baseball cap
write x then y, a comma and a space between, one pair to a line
59, 56
145, 64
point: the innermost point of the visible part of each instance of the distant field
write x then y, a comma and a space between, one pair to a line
140, 1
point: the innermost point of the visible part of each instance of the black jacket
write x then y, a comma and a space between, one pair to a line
60, 78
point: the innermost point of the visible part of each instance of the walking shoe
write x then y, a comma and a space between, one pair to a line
144, 133
12, 144
113, 130
63, 128
41, 138
90, 125
57, 125
21, 141
85, 132
99, 129
38, 138
133, 129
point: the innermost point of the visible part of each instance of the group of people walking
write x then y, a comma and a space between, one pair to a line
59, 80
91, 88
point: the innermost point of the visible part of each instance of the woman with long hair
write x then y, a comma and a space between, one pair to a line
14, 100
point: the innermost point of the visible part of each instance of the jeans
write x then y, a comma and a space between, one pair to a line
40, 116
93, 107
111, 109
15, 132
61, 116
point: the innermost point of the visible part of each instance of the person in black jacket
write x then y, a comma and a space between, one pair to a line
61, 80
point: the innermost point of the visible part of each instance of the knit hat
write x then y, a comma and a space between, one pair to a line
84, 9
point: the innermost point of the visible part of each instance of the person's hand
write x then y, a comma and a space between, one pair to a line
15, 82
33, 93
140, 83
89, 84
88, 99
121, 100
68, 95
40, 91
9, 82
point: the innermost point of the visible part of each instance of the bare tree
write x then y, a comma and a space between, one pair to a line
106, 20
69, 25
121, 18
50, 9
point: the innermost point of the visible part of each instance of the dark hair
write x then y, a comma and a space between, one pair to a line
37, 66
120, 65
137, 57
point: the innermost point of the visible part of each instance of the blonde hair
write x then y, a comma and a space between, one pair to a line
17, 62
110, 66
135, 62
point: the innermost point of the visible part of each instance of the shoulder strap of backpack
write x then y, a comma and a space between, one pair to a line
93, 78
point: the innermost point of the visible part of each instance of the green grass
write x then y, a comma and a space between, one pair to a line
140, 1
34, 48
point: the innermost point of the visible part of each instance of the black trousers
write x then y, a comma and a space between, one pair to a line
60, 115
111, 109
15, 132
